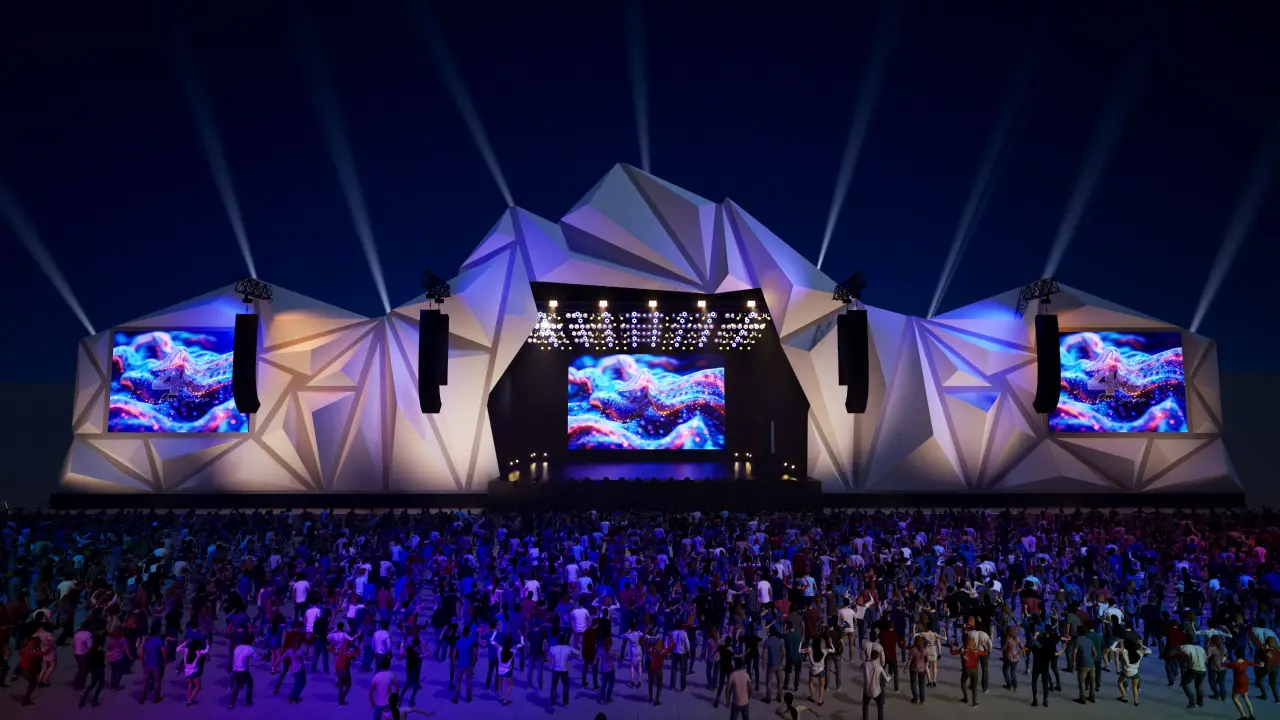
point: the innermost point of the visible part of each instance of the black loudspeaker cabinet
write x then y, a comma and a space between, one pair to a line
853, 351
1048, 365
433, 358
244, 365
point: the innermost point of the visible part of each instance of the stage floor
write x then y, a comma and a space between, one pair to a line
647, 471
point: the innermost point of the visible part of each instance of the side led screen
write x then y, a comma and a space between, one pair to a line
1121, 382
646, 402
176, 381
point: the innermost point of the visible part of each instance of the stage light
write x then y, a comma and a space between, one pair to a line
604, 304
544, 454
702, 304
1040, 290
250, 289
849, 292
653, 303
751, 304
553, 304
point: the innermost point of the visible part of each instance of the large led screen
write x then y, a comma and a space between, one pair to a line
176, 381
1121, 382
646, 402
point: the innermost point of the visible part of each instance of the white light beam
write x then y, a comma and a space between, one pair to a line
335, 135
461, 96
1246, 212
21, 226
1106, 136
202, 113
886, 35
993, 161
639, 80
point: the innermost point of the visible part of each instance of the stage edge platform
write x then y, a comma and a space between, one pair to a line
628, 495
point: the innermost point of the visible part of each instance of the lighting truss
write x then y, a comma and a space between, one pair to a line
1041, 290
740, 330
849, 292
435, 289
549, 332
592, 330
650, 329
251, 289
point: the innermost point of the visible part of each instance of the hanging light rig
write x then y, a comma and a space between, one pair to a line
251, 289
602, 329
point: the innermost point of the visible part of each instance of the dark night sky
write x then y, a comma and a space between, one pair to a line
97, 142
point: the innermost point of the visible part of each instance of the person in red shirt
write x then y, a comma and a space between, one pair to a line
1240, 685
1174, 638
970, 658
342, 656
891, 642
658, 647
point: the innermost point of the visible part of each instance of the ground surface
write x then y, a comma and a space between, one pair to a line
320, 699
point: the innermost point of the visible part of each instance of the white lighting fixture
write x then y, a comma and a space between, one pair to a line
702, 304
653, 303
553, 304
604, 304
751, 304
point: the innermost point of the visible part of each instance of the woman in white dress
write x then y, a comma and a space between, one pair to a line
633, 654
816, 653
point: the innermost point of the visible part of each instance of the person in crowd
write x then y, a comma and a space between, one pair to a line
559, 656
1240, 686
737, 692
383, 685
191, 656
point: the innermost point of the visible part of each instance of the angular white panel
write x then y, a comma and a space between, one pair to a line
99, 348
805, 306
290, 439
461, 405
583, 271
737, 274
486, 467
290, 317
1118, 458
274, 385
215, 310
689, 217
519, 314
616, 213
477, 299
181, 458
823, 468
362, 466
93, 419
1167, 449
969, 428
1050, 462
89, 381
417, 461
311, 355
1207, 465
248, 468
543, 244
1007, 440
1096, 318
904, 424
987, 355
797, 269
131, 453
926, 468
501, 235
86, 467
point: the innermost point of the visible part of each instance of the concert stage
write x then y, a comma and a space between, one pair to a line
647, 329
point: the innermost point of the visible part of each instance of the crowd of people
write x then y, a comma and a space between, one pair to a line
773, 606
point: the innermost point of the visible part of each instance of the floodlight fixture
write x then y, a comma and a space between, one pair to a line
435, 289
1041, 290
849, 292
250, 289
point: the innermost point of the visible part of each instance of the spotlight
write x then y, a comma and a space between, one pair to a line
1040, 290
544, 454
849, 292
751, 304
553, 304
702, 304
653, 303
604, 304
251, 289
434, 288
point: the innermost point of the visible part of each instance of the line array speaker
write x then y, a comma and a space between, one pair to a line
433, 358
244, 364
853, 349
1048, 365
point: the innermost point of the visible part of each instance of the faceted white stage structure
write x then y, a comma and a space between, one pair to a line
950, 405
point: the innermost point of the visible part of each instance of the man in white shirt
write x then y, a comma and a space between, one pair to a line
382, 687
310, 616
382, 644
559, 654
1193, 673
533, 589
764, 592
679, 642
240, 677
981, 641
580, 617
301, 588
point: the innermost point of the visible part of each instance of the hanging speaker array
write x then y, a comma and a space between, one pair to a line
244, 364
853, 348
433, 358
1048, 365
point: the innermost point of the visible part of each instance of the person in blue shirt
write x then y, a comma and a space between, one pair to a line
464, 653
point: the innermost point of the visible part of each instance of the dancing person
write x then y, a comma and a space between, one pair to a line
737, 692
874, 678
192, 656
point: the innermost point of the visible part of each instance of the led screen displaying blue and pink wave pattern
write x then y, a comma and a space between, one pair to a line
173, 382
646, 402
1118, 382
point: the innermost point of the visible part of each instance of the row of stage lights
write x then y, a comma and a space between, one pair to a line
652, 329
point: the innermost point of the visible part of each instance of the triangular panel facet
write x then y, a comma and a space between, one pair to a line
131, 453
